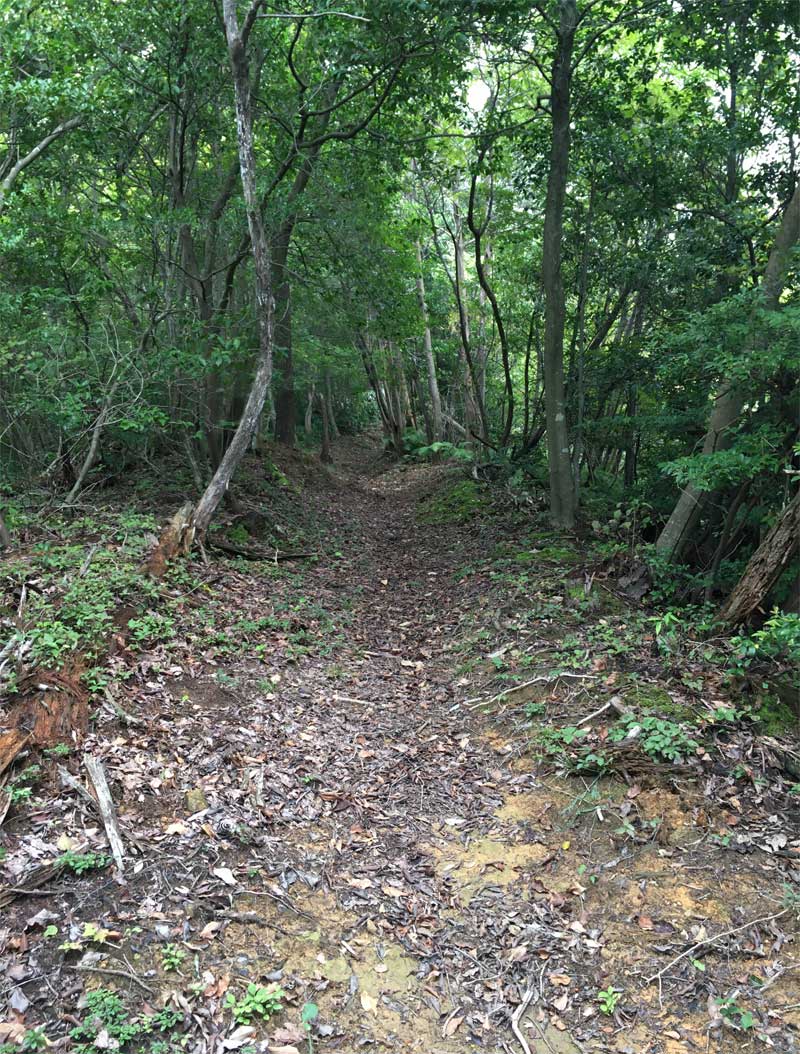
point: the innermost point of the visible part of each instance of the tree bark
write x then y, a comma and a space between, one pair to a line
430, 361
10, 179
765, 566
285, 403
5, 535
730, 399
312, 396
562, 494
94, 445
325, 455
248, 423
329, 400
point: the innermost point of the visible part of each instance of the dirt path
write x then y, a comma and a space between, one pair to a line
313, 798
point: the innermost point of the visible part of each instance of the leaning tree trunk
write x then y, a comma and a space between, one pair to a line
94, 445
248, 423
562, 493
730, 399
766, 566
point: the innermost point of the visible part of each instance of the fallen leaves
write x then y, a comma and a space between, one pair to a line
224, 874
368, 1003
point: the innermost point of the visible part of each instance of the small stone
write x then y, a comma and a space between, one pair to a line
196, 800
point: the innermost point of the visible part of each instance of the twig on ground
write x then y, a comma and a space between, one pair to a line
614, 703
68, 780
106, 806
113, 973
474, 703
713, 940
517, 1016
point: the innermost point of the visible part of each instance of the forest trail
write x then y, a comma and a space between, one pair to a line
324, 788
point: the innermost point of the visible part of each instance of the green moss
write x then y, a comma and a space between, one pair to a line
554, 555
457, 504
649, 698
774, 716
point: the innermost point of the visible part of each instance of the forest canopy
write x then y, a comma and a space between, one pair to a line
556, 241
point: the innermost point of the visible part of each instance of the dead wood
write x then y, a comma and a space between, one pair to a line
176, 540
35, 878
11, 743
256, 554
107, 811
52, 708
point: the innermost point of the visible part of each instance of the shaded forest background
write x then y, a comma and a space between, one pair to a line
555, 241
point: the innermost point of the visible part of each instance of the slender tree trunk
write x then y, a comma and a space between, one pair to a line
285, 402
474, 408
730, 399
5, 536
259, 389
325, 455
312, 395
724, 538
329, 400
427, 344
562, 494
765, 567
580, 348
94, 445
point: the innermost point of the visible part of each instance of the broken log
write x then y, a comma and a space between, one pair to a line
176, 540
108, 814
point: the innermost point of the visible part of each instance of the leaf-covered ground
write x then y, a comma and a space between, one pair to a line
434, 789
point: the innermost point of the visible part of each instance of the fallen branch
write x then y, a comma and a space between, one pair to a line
106, 807
68, 780
474, 703
256, 554
37, 877
113, 973
517, 1016
614, 703
713, 940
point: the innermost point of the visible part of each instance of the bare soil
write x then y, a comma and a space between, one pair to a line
345, 803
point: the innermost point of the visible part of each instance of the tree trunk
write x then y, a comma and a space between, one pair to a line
474, 409
329, 400
730, 399
430, 361
248, 423
312, 395
562, 495
765, 566
325, 455
5, 536
285, 403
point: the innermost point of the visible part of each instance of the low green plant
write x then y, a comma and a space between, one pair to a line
106, 1013
172, 955
533, 709
736, 1014
60, 750
608, 998
258, 1001
308, 1015
20, 788
34, 1039
151, 628
659, 738
82, 862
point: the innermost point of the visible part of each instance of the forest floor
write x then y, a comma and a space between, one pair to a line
350, 778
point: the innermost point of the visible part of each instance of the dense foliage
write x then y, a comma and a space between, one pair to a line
556, 241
